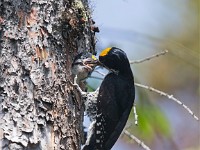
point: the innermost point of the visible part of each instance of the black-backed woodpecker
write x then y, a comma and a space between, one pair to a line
114, 101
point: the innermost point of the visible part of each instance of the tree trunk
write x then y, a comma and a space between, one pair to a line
38, 41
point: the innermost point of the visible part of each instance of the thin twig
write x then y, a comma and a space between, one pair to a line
149, 58
169, 97
135, 114
139, 142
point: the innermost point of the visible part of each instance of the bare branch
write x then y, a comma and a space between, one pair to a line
166, 95
139, 142
149, 58
135, 117
169, 97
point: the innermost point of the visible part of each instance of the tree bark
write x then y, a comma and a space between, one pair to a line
38, 41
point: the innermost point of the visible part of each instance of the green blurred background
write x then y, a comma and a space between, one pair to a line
142, 28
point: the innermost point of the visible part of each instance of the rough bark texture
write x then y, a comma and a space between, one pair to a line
38, 41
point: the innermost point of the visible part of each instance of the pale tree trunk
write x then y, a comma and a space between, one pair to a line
38, 41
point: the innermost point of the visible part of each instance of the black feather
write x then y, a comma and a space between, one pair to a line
114, 102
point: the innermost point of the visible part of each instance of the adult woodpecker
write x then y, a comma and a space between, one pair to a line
114, 102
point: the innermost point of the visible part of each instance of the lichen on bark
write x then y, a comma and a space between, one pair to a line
38, 41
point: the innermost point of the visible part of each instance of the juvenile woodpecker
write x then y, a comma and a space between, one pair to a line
114, 101
80, 68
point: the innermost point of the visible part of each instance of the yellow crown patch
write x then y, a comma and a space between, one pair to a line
105, 51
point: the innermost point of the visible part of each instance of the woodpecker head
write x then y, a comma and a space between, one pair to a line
116, 59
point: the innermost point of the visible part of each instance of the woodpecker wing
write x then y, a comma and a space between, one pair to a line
114, 103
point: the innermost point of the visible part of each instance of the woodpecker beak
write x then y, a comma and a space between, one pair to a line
92, 61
